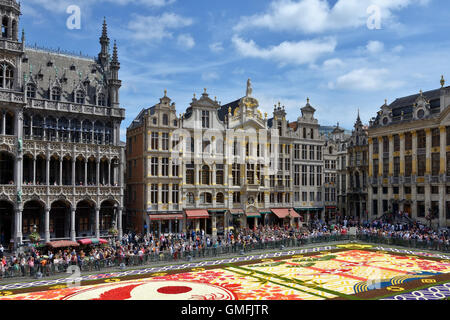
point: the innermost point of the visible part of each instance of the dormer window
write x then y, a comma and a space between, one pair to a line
31, 91
73, 68
205, 119
385, 120
420, 114
50, 64
56, 94
79, 97
154, 121
165, 120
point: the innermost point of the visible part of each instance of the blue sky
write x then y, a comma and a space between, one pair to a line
291, 49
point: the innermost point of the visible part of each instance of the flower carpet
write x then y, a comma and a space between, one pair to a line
349, 272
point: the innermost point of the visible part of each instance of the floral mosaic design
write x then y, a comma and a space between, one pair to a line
323, 275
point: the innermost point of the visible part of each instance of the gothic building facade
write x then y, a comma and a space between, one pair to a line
61, 159
217, 166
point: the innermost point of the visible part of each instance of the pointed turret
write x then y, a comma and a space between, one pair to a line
114, 82
103, 56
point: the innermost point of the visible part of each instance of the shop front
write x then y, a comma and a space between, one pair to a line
285, 218
166, 223
197, 220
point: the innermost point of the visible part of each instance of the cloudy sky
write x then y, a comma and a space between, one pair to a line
342, 54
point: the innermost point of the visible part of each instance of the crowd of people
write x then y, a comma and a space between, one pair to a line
181, 245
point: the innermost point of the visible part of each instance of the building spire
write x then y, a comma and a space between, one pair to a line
104, 29
115, 58
103, 56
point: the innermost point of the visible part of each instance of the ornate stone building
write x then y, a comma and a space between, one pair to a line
335, 155
357, 171
61, 159
216, 166
409, 145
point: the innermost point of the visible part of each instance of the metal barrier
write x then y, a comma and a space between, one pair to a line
93, 265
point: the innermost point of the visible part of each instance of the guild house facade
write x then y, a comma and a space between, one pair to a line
217, 167
409, 152
61, 159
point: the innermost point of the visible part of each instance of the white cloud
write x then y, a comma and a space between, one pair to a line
398, 49
301, 52
186, 41
333, 63
316, 16
366, 79
210, 75
375, 47
216, 47
156, 27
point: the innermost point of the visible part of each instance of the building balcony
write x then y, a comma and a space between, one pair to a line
76, 108
9, 96
433, 179
92, 191
8, 192
10, 142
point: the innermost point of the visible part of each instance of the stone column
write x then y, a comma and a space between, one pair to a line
97, 177
47, 171
74, 183
4, 123
18, 227
85, 172
414, 154
109, 173
428, 152
214, 225
60, 171
72, 224
442, 206
97, 222
47, 224
34, 171
120, 223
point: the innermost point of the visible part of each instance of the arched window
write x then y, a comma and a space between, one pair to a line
101, 100
205, 175
56, 94
79, 97
31, 91
220, 198
165, 120
6, 76
205, 198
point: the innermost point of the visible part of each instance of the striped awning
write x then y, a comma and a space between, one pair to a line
236, 212
197, 214
160, 217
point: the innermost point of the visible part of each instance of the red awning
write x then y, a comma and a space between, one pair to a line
62, 244
92, 241
285, 213
197, 214
236, 211
159, 217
